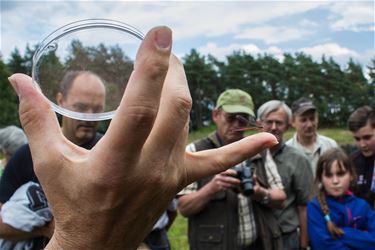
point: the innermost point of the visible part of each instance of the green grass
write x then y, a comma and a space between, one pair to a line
178, 232
341, 136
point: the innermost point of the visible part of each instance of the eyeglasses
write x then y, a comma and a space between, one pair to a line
246, 122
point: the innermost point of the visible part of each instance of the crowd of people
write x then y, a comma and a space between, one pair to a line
71, 187
287, 209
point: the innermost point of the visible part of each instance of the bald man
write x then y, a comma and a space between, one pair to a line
80, 91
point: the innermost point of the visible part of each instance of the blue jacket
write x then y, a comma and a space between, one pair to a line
352, 214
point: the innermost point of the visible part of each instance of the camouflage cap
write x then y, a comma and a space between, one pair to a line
236, 101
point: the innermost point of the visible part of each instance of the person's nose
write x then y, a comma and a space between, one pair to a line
362, 143
335, 179
309, 123
273, 126
236, 123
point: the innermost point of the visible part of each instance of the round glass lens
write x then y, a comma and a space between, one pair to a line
83, 67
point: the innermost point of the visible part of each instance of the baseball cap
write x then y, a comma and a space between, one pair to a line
236, 101
302, 105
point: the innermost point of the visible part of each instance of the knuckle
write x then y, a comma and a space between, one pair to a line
31, 117
184, 103
142, 114
31, 110
156, 69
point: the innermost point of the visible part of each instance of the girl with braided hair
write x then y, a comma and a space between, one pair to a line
336, 219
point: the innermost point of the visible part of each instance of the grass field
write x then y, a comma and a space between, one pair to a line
178, 232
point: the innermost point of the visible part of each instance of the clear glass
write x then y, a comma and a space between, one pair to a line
105, 48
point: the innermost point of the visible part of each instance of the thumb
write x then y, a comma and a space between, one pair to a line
36, 115
209, 162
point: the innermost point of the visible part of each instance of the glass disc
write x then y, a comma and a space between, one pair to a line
83, 67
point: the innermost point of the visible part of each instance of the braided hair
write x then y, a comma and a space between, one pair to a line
324, 165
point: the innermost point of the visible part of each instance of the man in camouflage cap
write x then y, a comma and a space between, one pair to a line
234, 108
219, 216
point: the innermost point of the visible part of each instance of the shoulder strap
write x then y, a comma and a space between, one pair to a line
261, 173
211, 141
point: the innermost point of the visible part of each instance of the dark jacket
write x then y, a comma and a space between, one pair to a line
364, 167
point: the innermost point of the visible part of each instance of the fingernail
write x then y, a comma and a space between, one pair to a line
270, 144
163, 38
14, 84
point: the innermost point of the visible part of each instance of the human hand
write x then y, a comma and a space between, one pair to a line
110, 197
224, 180
47, 230
258, 191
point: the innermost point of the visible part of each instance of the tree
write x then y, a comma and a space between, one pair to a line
335, 91
28, 58
203, 80
8, 99
360, 88
243, 71
371, 73
271, 75
332, 101
110, 63
49, 73
16, 62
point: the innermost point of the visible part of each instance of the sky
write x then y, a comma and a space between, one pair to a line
337, 29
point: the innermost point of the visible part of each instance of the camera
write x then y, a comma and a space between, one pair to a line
245, 175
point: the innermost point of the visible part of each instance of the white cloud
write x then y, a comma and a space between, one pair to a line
273, 35
340, 54
306, 23
251, 48
187, 19
26, 21
354, 16
222, 52
337, 52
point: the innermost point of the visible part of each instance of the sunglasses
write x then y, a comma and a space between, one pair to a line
246, 122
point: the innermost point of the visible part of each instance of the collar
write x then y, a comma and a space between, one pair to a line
215, 138
347, 195
279, 149
317, 144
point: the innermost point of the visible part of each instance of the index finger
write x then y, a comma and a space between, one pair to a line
229, 172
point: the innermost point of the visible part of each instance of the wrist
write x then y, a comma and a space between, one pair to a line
266, 199
210, 190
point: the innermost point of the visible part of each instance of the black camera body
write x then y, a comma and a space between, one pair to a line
245, 175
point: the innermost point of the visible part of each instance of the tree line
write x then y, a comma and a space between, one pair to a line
336, 91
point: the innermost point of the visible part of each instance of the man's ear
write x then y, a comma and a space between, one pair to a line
60, 99
215, 115
292, 121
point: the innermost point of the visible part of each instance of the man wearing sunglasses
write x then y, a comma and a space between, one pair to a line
220, 216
